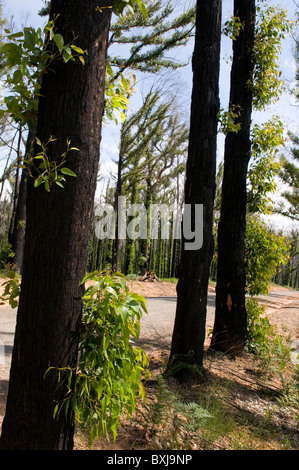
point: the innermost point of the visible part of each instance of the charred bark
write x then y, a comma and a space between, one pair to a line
57, 234
189, 329
229, 334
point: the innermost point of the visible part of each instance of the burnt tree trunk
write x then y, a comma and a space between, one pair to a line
230, 326
17, 187
118, 193
189, 329
57, 234
18, 235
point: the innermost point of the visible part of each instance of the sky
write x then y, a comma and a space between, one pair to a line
26, 13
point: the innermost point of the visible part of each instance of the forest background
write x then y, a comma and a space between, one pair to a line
152, 170
171, 88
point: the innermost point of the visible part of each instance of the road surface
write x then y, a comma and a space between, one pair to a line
157, 325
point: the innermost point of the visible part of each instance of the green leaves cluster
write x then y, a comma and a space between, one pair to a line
120, 5
272, 349
272, 27
111, 368
117, 92
25, 56
49, 172
289, 174
266, 140
264, 251
12, 286
232, 27
147, 39
228, 120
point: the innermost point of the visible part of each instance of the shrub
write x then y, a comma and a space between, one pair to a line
6, 255
263, 340
111, 368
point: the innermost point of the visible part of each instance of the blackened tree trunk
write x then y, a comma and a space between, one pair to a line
189, 329
57, 234
18, 234
17, 186
118, 193
230, 326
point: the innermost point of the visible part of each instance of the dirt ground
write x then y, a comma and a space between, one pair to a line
247, 393
153, 289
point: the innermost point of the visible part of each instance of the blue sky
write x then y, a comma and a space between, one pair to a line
26, 13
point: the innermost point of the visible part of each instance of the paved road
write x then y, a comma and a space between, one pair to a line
7, 330
156, 327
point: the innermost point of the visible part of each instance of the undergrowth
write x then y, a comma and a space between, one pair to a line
247, 403
233, 409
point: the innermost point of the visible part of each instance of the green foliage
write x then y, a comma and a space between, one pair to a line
233, 27
271, 28
6, 255
289, 174
117, 92
266, 139
263, 340
26, 55
259, 328
150, 37
152, 151
12, 286
228, 120
49, 172
265, 250
175, 420
120, 5
111, 368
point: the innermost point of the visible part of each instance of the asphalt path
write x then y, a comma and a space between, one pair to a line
156, 326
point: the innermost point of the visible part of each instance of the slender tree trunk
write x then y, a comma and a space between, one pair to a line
145, 244
18, 234
118, 193
189, 330
57, 235
131, 241
17, 186
230, 326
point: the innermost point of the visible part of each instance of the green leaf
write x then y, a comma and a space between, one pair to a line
13, 303
99, 387
77, 49
142, 7
94, 288
66, 56
37, 182
68, 172
111, 291
19, 34
59, 41
30, 38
